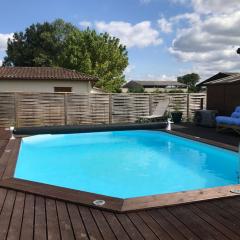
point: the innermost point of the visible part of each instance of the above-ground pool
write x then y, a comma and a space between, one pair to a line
125, 164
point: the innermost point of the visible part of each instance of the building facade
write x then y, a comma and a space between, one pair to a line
44, 79
154, 86
223, 93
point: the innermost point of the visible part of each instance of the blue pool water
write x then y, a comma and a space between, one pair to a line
125, 164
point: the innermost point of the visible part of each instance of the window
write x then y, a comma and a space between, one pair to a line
62, 89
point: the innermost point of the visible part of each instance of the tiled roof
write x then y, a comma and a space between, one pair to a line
154, 83
42, 73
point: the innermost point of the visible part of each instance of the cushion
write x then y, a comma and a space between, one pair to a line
228, 120
235, 115
224, 120
236, 122
237, 109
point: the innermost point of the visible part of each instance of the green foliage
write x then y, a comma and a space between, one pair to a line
61, 44
157, 90
190, 80
40, 45
99, 55
136, 89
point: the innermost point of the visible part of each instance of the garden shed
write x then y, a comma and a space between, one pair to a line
223, 94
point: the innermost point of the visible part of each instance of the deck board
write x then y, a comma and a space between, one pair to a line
64, 221
77, 222
53, 230
91, 226
6, 213
40, 226
196, 224
102, 224
222, 217
128, 226
143, 228
175, 222
28, 216
155, 226
17, 216
214, 222
169, 228
232, 206
116, 226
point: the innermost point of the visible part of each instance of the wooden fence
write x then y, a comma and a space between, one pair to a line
46, 109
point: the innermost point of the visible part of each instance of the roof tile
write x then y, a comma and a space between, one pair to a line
149, 83
42, 73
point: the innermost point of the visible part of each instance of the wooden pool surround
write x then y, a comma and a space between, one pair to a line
111, 203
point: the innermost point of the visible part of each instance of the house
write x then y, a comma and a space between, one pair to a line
223, 93
153, 86
216, 77
44, 79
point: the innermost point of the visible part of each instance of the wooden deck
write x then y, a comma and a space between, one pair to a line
228, 137
27, 216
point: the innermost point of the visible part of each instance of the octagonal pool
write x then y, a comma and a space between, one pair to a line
125, 164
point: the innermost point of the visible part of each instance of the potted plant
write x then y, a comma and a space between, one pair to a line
176, 114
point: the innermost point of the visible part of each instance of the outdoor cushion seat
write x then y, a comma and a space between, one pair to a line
228, 120
232, 122
235, 115
237, 109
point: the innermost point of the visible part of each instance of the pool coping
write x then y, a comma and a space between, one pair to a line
10, 157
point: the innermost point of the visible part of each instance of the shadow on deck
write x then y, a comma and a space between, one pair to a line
227, 137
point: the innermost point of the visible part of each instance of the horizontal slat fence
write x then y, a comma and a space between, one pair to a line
196, 102
7, 109
41, 109
86, 109
47, 109
128, 107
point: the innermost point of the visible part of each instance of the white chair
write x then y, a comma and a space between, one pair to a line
159, 112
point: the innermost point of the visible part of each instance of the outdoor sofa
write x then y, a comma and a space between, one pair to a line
233, 122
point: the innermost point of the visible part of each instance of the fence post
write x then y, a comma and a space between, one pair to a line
15, 109
201, 103
110, 108
150, 104
65, 109
188, 107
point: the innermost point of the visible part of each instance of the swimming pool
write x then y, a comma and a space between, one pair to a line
125, 164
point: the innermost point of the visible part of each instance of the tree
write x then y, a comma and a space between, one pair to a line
99, 55
136, 89
238, 51
61, 44
190, 80
40, 45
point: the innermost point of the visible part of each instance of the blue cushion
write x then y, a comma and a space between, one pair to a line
236, 122
237, 109
235, 115
224, 120
228, 120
